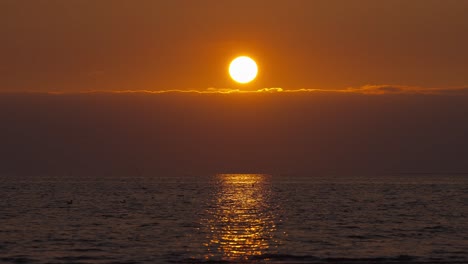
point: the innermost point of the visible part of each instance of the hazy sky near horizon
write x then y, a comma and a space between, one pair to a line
189, 133
74, 45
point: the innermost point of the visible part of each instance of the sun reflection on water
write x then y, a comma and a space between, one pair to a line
241, 222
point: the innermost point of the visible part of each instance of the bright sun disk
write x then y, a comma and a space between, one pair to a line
243, 69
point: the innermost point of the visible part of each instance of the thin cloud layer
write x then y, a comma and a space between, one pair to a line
392, 89
401, 89
366, 90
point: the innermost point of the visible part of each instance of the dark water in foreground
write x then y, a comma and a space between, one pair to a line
246, 218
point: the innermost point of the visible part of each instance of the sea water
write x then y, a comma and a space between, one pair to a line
243, 218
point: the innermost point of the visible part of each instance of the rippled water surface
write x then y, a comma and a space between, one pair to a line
246, 218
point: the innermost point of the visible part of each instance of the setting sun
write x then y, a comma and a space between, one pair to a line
243, 69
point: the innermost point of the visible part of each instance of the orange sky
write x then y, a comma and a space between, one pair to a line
77, 45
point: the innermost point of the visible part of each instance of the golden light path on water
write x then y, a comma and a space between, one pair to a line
240, 223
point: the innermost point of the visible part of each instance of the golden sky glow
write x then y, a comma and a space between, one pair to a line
78, 45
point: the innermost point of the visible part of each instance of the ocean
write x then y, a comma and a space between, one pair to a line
235, 218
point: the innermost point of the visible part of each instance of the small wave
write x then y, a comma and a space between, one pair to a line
205, 261
80, 258
366, 237
86, 250
357, 237
301, 259
397, 259
437, 229
286, 257
150, 224
17, 260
